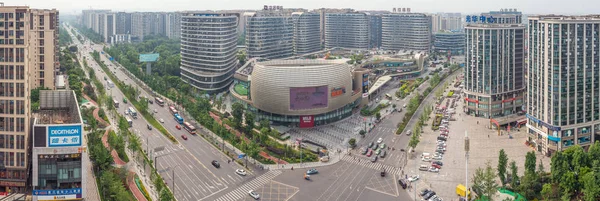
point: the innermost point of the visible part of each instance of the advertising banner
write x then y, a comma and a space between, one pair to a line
302, 98
307, 121
365, 83
64, 136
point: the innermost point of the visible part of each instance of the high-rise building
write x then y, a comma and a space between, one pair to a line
270, 34
446, 22
375, 29
173, 25
563, 91
406, 31
43, 47
208, 50
109, 26
347, 30
306, 32
495, 69
28, 59
123, 22
323, 12
449, 42
137, 26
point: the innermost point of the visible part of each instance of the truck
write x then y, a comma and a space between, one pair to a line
461, 191
129, 121
132, 112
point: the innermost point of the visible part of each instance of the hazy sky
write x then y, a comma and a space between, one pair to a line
463, 6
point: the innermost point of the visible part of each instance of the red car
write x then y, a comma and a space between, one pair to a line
436, 166
184, 137
178, 127
370, 152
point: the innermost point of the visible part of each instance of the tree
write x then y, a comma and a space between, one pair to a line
352, 142
591, 186
238, 111
249, 117
484, 181
378, 116
134, 144
165, 195
362, 133
414, 140
530, 160
514, 182
265, 124
547, 191
502, 164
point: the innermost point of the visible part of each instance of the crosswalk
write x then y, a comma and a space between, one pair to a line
242, 191
376, 166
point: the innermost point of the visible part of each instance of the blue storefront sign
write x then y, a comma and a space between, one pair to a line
64, 136
71, 191
550, 127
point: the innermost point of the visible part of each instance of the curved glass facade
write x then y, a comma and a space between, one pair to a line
208, 50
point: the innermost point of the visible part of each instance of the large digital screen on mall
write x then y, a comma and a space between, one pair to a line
304, 98
64, 136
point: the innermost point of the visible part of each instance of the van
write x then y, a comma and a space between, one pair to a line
402, 183
461, 190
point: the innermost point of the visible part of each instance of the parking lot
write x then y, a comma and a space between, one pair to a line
485, 145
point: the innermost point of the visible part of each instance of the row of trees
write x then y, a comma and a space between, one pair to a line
574, 175
90, 34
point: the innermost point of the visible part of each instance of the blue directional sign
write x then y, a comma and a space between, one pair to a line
241, 155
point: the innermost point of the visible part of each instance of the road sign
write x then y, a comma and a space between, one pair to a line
241, 155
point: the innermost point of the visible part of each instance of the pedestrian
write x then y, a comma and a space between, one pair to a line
488, 135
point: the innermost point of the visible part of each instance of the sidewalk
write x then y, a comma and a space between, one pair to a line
133, 187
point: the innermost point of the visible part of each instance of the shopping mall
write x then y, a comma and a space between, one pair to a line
57, 165
301, 93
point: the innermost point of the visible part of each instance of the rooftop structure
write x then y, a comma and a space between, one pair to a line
58, 107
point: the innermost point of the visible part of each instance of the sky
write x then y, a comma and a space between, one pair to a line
69, 7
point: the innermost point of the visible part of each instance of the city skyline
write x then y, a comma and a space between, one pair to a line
427, 6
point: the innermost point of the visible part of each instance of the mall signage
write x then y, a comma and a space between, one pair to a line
338, 91
72, 191
64, 136
307, 121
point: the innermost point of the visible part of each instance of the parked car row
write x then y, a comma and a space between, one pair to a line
429, 195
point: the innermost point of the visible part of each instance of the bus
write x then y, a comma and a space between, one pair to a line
172, 110
116, 103
132, 112
188, 127
159, 101
178, 118
129, 121
388, 96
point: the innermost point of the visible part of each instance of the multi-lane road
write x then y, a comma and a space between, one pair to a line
353, 178
195, 177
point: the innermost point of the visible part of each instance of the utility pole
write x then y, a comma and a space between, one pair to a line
467, 166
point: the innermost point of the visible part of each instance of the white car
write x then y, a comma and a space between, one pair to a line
432, 169
413, 178
240, 172
380, 140
161, 121
253, 194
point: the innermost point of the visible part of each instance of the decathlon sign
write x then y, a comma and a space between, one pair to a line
64, 136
